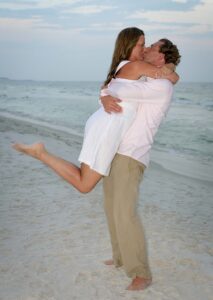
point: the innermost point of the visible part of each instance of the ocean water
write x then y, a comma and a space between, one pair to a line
186, 134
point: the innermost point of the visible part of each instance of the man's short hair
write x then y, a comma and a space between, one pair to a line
170, 51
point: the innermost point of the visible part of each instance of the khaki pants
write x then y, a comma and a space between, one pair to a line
121, 189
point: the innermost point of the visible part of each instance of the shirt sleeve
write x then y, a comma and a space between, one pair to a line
150, 91
153, 90
103, 92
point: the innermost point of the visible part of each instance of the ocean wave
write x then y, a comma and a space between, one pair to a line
183, 165
3, 96
41, 124
183, 99
209, 106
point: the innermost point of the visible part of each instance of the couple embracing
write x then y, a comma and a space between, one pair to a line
135, 98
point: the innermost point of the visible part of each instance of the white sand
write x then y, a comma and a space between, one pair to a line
53, 239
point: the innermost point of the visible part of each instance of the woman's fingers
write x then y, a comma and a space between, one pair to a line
113, 105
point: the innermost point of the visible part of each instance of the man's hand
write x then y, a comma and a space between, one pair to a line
110, 104
173, 77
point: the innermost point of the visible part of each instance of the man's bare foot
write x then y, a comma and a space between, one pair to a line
34, 150
139, 283
109, 262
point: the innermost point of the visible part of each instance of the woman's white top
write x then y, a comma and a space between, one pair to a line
104, 132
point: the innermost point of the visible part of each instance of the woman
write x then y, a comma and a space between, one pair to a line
100, 146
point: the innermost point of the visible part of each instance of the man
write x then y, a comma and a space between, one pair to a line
122, 185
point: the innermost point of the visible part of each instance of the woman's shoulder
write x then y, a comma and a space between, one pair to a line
121, 64
133, 66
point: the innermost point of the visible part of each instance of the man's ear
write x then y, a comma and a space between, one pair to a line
161, 58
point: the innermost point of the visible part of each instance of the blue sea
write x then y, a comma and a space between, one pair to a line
185, 136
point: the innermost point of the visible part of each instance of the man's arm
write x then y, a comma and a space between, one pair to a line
149, 93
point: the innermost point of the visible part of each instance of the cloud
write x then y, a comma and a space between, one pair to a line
36, 4
198, 20
112, 26
33, 29
159, 27
180, 1
36, 29
89, 9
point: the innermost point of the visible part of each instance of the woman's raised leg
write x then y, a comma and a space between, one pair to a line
83, 179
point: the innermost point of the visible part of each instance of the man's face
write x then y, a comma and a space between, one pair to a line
153, 56
138, 50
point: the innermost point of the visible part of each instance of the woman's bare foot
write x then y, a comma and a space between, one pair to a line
139, 283
34, 150
109, 262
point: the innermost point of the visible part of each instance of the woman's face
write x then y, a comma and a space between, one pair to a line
138, 50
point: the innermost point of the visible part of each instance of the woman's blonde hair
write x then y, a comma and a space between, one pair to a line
125, 42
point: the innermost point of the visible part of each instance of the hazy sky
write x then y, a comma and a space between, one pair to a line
74, 39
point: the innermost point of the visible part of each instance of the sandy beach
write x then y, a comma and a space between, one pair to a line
53, 240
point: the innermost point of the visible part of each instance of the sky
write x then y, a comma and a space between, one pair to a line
74, 39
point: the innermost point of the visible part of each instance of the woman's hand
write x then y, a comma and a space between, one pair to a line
166, 70
170, 66
173, 77
110, 104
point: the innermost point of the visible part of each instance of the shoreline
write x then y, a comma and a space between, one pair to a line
167, 162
